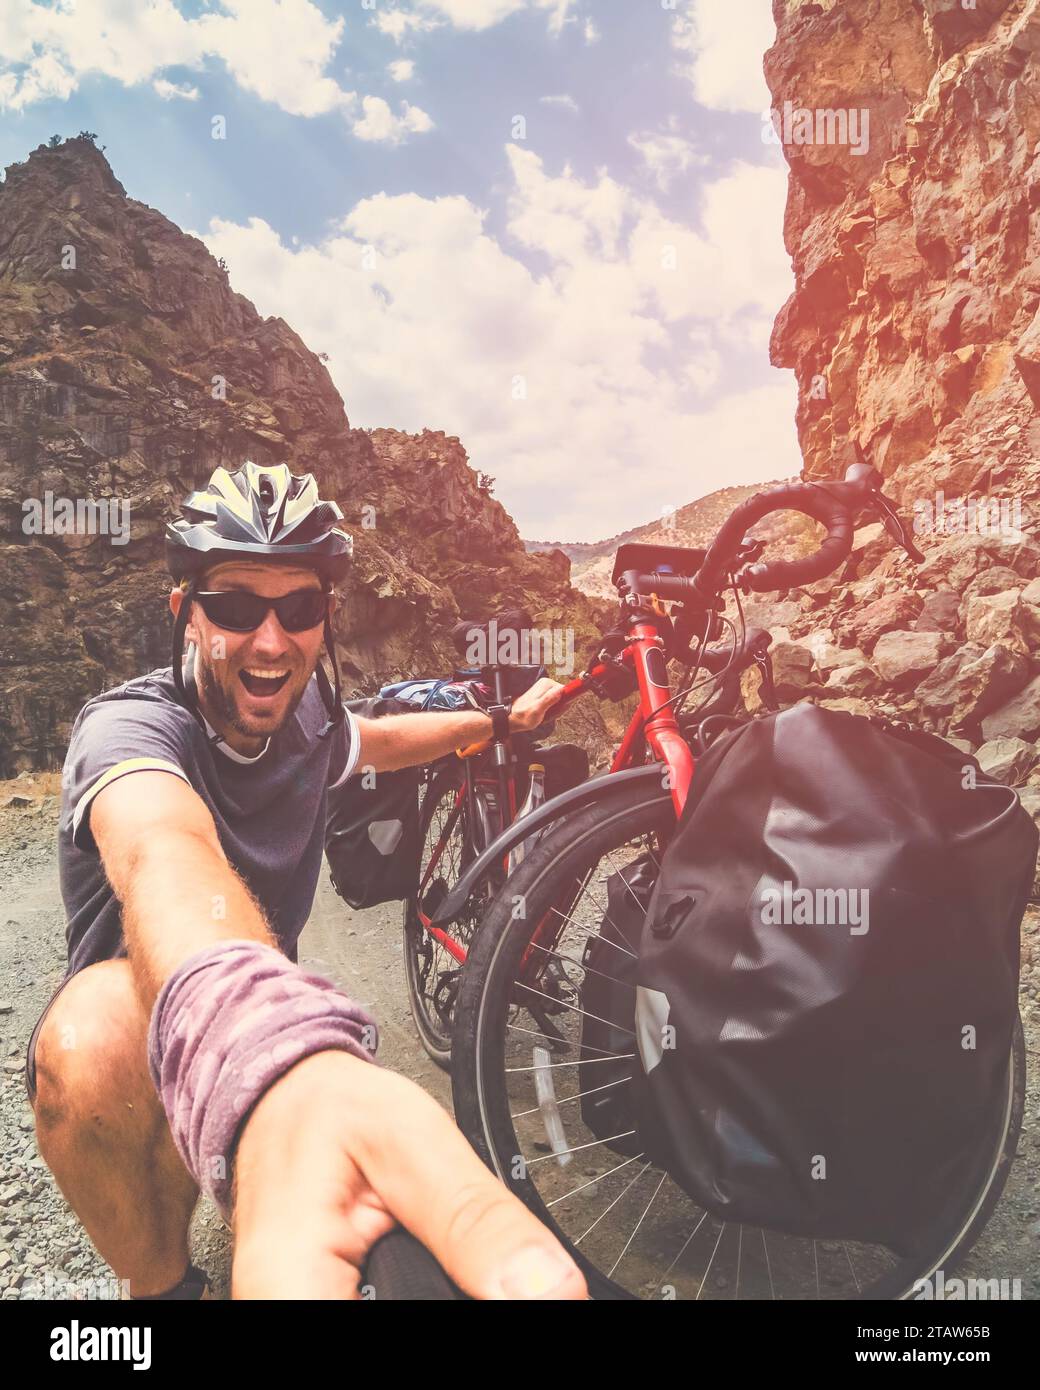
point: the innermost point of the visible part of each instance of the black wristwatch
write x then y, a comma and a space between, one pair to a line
499, 720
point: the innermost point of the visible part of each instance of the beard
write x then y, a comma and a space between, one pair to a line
221, 709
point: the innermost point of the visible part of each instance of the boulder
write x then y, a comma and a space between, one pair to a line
939, 612
889, 613
1031, 593
828, 655
903, 657
955, 560
792, 670
972, 683
1009, 760
992, 581
849, 704
1002, 617
963, 745
858, 678
1017, 717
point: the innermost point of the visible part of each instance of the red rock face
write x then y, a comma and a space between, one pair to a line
917, 262
914, 329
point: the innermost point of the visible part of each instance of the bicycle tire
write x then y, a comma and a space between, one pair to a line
482, 1105
419, 954
400, 1268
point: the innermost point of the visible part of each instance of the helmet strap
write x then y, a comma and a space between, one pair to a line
186, 687
333, 697
188, 698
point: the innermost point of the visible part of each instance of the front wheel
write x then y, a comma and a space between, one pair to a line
521, 1084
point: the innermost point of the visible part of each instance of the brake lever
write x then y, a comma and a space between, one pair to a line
895, 526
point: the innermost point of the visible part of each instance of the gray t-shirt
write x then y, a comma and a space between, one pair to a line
269, 810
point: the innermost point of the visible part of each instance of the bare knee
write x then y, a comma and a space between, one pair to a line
91, 1052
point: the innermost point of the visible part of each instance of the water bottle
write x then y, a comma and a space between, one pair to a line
534, 798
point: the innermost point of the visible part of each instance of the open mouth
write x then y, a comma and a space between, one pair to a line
259, 682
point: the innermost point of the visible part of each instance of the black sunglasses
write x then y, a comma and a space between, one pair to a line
238, 610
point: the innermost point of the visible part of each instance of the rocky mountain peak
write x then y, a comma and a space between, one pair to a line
129, 369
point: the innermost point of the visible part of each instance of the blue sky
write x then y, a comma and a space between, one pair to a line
551, 227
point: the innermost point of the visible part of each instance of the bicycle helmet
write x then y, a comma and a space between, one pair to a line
259, 513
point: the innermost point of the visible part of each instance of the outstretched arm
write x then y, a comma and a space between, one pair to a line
406, 740
164, 860
337, 1150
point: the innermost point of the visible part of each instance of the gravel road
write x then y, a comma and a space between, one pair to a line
43, 1251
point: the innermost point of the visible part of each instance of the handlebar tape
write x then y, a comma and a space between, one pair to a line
779, 574
399, 1267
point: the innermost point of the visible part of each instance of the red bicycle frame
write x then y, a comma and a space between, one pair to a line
654, 720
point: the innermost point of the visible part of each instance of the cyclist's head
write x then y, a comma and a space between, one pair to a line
265, 531
251, 664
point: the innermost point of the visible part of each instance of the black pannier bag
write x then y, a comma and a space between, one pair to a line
372, 839
608, 996
798, 1072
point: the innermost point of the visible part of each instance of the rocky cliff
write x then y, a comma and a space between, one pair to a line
129, 369
914, 328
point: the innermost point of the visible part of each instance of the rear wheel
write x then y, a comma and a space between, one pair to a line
634, 1231
433, 972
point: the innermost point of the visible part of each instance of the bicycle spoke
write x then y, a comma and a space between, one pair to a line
740, 1251
578, 1148
589, 1062
711, 1261
584, 931
588, 969
593, 1181
852, 1267
682, 1252
566, 1100
613, 1204
635, 1229
534, 1033
574, 1008
769, 1267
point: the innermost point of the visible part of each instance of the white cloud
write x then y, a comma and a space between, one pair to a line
666, 154
565, 100
474, 14
278, 49
402, 24
169, 91
721, 53
401, 69
590, 33
620, 355
380, 123
477, 14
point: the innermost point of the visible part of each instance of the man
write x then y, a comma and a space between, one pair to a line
184, 1048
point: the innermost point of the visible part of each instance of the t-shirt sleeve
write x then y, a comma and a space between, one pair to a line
111, 740
346, 751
